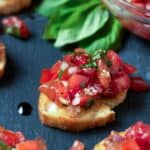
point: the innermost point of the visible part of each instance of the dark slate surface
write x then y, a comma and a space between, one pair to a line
25, 61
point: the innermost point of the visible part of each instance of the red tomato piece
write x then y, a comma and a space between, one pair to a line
11, 138
129, 69
77, 145
46, 76
54, 70
77, 80
110, 91
139, 1
141, 133
80, 59
81, 100
24, 31
65, 75
68, 58
89, 72
48, 90
116, 62
50, 74
16, 26
138, 84
37, 144
129, 144
121, 83
103, 74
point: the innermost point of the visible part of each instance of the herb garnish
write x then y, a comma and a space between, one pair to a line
60, 74
90, 103
98, 54
88, 23
3, 146
91, 64
82, 85
108, 63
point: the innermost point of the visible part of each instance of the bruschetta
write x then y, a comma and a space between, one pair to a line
12, 6
2, 59
80, 91
136, 137
10, 140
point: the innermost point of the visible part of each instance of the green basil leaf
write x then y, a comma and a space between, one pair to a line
81, 24
109, 37
55, 22
89, 103
49, 7
3, 146
60, 74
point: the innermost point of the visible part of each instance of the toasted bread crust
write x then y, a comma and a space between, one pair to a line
2, 59
13, 6
98, 115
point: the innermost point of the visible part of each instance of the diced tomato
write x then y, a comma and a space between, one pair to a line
141, 133
129, 69
81, 100
80, 59
93, 89
121, 83
138, 84
68, 58
103, 74
72, 93
11, 138
46, 76
89, 72
48, 90
65, 75
37, 144
61, 91
116, 62
139, 1
129, 144
77, 145
54, 70
77, 80
50, 74
109, 92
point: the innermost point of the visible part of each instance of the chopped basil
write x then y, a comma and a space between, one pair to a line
89, 103
108, 63
98, 54
3, 146
82, 85
60, 74
90, 64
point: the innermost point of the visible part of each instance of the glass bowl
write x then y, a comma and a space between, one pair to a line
132, 17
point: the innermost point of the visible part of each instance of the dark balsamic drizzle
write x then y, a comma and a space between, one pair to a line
24, 109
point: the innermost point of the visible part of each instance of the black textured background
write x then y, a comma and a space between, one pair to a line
25, 61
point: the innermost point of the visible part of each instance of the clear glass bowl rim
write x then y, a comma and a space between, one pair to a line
130, 6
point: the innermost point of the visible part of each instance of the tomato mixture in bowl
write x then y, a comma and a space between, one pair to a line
133, 14
81, 78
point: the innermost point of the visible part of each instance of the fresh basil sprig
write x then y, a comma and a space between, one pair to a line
87, 23
3, 146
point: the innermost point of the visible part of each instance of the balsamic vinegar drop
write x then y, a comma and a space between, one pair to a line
24, 109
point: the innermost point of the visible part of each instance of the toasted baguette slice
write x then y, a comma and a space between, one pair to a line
13, 6
101, 145
2, 59
79, 119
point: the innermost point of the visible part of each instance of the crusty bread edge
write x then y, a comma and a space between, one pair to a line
13, 6
2, 59
78, 124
